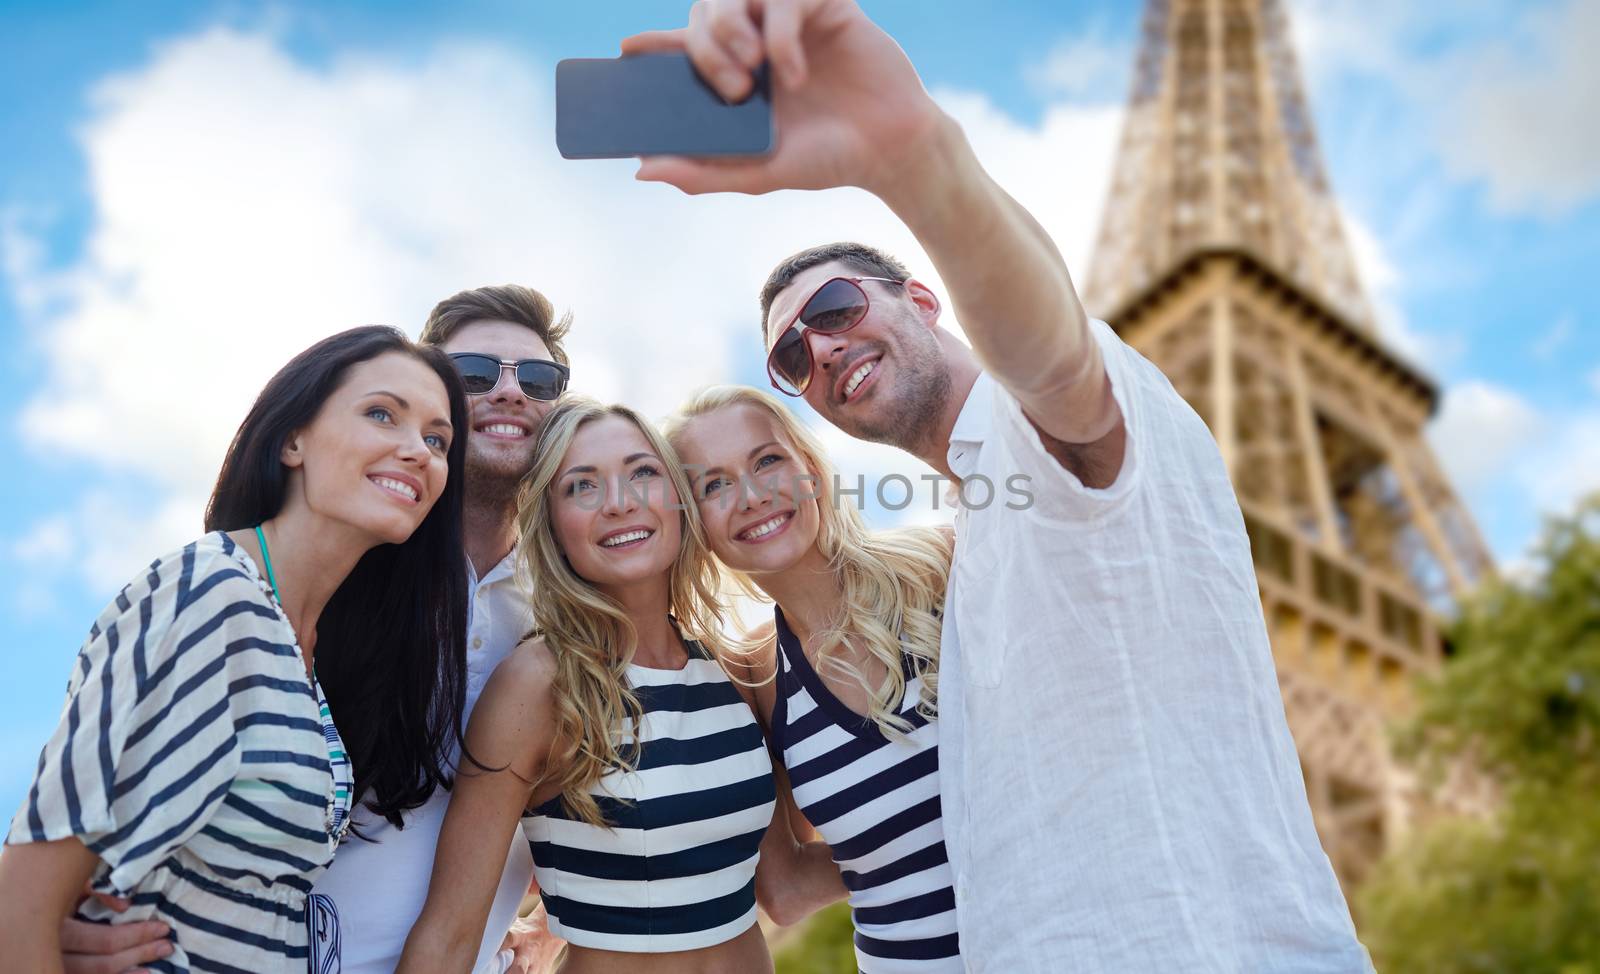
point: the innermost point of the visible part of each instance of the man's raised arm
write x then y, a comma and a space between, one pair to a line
851, 111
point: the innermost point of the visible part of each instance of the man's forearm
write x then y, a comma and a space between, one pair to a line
1007, 282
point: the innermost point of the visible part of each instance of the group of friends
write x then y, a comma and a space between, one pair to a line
456, 634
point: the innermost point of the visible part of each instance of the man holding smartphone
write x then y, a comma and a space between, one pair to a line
1119, 788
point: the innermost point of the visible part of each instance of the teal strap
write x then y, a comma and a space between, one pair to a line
267, 557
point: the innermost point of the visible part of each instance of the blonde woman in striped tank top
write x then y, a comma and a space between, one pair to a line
635, 766
847, 680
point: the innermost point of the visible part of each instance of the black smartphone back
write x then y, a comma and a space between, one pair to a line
654, 104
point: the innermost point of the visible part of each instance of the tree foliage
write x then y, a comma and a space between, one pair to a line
1520, 700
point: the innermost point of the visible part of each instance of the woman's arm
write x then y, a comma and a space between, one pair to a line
510, 733
39, 884
796, 875
795, 878
94, 799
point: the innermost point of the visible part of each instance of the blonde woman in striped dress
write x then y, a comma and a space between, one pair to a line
847, 686
635, 766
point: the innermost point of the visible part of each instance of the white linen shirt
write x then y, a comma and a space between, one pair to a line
1119, 786
379, 887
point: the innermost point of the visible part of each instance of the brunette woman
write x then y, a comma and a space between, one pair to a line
197, 771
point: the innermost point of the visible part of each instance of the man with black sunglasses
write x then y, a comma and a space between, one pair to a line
508, 344
1118, 786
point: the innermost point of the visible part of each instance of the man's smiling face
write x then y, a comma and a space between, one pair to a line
882, 380
505, 422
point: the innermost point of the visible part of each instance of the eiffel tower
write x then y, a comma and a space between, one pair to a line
1222, 258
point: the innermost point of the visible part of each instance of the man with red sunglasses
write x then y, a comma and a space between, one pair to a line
1118, 784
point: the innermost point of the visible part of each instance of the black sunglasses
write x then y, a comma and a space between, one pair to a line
539, 378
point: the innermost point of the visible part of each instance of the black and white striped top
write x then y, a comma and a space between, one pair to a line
677, 871
875, 801
193, 758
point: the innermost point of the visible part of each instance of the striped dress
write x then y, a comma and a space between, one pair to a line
198, 761
677, 871
875, 801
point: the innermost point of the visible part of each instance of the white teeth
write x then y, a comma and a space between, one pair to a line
857, 376
505, 429
403, 489
625, 538
765, 527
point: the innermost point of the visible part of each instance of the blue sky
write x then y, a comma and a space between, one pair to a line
189, 192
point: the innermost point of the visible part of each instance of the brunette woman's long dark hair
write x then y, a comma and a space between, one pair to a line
391, 643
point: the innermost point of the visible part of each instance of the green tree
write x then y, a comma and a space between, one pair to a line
1520, 700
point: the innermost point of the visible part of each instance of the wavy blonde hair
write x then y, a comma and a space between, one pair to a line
894, 580
588, 633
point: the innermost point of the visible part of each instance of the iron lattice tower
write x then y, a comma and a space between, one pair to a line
1222, 258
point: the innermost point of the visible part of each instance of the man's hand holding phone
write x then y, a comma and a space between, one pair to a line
848, 106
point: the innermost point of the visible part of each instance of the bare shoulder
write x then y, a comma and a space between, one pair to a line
529, 666
518, 693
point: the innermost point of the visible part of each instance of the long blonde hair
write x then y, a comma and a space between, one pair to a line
588, 632
894, 580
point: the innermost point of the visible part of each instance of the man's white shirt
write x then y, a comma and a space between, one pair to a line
379, 887
1119, 787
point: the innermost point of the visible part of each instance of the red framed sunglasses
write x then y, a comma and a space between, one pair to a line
833, 309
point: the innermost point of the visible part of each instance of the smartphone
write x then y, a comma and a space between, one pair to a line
654, 104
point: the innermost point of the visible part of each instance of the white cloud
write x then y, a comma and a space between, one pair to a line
1523, 121
1088, 66
1491, 439
102, 540
1547, 345
1380, 278
48, 544
45, 554
1594, 380
1566, 466
1508, 93
246, 204
117, 539
1335, 36
1480, 428
1403, 44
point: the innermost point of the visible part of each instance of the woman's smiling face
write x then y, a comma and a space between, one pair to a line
375, 456
757, 498
613, 510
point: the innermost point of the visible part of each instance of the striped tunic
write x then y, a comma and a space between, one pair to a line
677, 871
875, 801
197, 760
